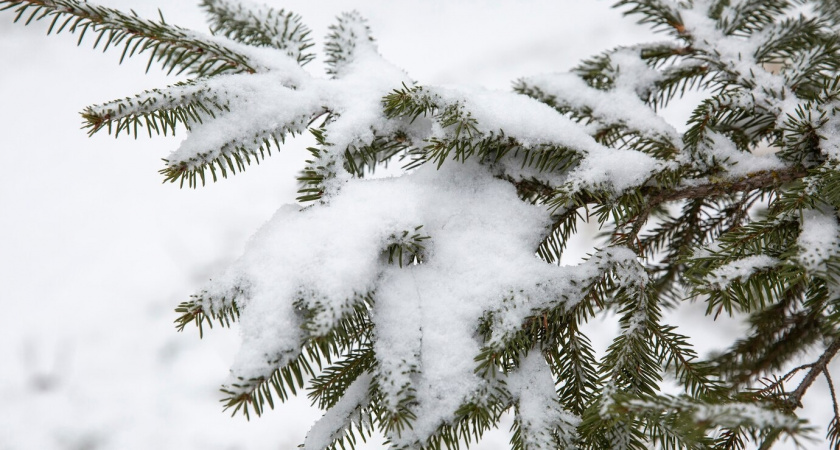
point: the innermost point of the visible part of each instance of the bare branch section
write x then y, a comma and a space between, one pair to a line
760, 180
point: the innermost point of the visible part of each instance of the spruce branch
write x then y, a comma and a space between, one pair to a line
203, 309
174, 48
156, 110
761, 180
407, 247
191, 162
257, 25
573, 362
686, 216
232, 157
349, 39
348, 340
778, 334
747, 17
353, 415
660, 14
327, 388
833, 433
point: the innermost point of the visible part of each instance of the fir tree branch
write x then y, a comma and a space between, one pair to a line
655, 197
349, 336
662, 15
347, 39
760, 180
202, 309
232, 157
833, 433
327, 388
261, 26
158, 110
176, 49
750, 16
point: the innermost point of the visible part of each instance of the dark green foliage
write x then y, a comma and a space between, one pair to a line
264, 27
407, 247
147, 111
197, 311
337, 357
233, 156
179, 51
175, 49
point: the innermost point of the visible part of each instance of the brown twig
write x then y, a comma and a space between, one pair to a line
817, 368
833, 392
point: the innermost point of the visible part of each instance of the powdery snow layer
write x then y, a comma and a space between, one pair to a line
337, 419
478, 258
740, 270
738, 163
618, 106
479, 255
539, 412
818, 241
531, 122
534, 123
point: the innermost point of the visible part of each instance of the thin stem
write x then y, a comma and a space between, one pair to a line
833, 392
818, 367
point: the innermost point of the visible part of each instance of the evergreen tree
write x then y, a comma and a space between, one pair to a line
429, 304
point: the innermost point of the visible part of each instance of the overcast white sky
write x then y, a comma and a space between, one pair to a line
95, 253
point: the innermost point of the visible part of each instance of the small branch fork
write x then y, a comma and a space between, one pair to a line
820, 366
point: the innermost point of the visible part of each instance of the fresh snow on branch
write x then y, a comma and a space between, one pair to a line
428, 303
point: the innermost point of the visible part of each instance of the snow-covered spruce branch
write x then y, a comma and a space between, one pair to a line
330, 359
426, 305
762, 180
158, 110
261, 26
201, 310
